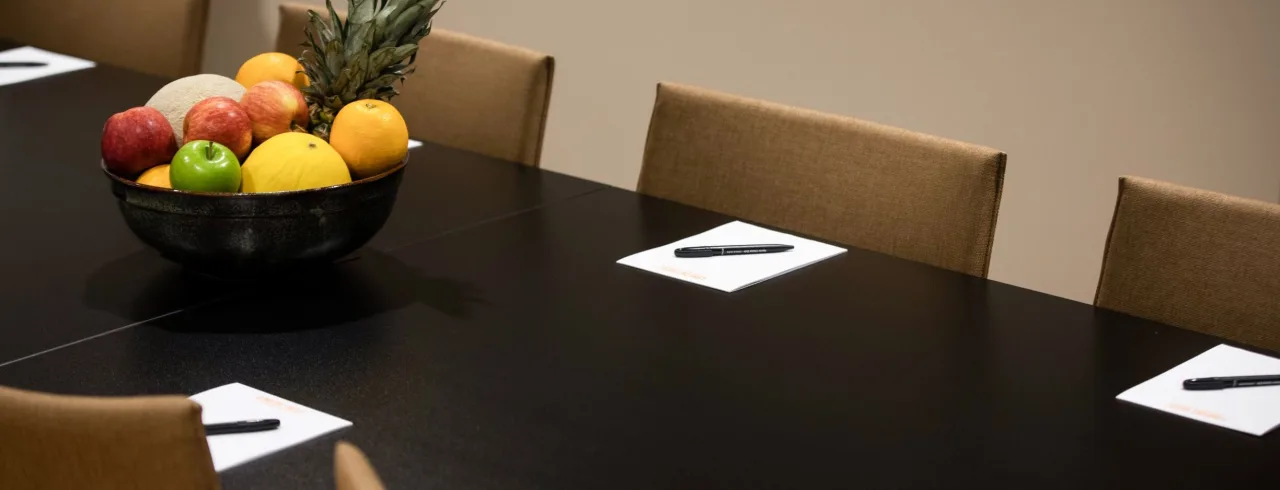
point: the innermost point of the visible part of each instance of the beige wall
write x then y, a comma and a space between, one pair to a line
1077, 92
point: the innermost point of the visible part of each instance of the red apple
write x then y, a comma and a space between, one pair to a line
220, 120
275, 107
136, 140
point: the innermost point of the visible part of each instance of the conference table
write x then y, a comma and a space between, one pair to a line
487, 339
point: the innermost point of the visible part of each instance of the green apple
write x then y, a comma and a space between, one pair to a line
205, 166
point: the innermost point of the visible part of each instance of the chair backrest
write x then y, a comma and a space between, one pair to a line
53, 441
906, 194
1195, 259
351, 469
160, 37
466, 92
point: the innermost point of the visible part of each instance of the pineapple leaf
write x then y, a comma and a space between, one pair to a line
312, 58
383, 80
386, 57
376, 92
310, 43
359, 72
396, 67
380, 59
312, 93
334, 61
320, 129
415, 37
402, 25
432, 7
358, 41
336, 21
319, 27
424, 25
375, 39
382, 21
395, 5
340, 84
318, 76
405, 51
359, 12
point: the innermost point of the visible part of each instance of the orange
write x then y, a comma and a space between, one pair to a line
292, 162
157, 176
370, 135
272, 66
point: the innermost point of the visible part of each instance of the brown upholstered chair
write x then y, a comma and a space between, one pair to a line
468, 93
1195, 259
351, 469
52, 441
160, 37
906, 194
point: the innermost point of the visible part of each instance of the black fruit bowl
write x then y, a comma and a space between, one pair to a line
248, 236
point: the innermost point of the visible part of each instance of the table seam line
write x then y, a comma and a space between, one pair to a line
492, 220
117, 329
230, 297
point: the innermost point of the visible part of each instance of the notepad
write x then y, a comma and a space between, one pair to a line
731, 273
1254, 410
235, 402
57, 63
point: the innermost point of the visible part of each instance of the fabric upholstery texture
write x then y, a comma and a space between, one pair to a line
160, 37
53, 441
1195, 259
351, 469
839, 179
468, 93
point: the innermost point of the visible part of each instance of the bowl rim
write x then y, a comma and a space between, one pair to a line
248, 195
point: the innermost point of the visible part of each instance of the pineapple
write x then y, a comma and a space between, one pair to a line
363, 57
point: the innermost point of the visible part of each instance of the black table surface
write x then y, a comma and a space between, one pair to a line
517, 354
72, 268
487, 339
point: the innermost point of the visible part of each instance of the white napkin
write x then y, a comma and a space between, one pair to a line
236, 402
1254, 410
731, 273
56, 63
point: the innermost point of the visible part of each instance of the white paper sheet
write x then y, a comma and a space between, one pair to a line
414, 144
57, 63
1254, 410
731, 273
235, 402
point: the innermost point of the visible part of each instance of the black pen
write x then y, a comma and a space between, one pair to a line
715, 250
22, 64
1223, 382
241, 427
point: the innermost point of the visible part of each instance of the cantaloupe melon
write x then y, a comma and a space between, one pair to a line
176, 98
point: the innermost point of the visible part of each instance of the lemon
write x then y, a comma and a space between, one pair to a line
292, 162
370, 135
271, 66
